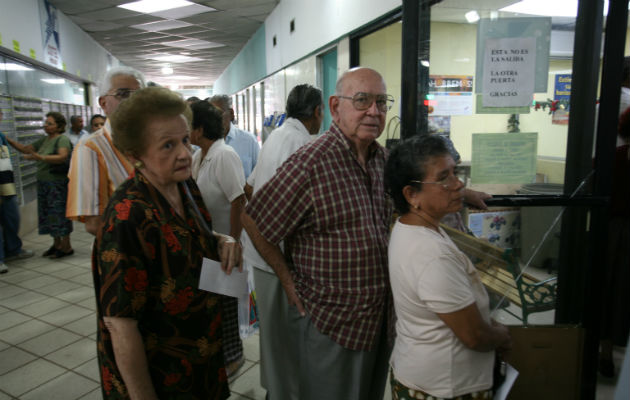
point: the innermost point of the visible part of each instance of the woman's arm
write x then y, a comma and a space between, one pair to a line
26, 149
474, 332
59, 158
130, 357
230, 253
236, 209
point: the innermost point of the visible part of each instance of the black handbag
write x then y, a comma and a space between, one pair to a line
64, 167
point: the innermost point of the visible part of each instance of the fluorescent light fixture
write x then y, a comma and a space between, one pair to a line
161, 25
59, 81
151, 6
555, 8
472, 16
14, 67
175, 58
192, 44
424, 63
167, 71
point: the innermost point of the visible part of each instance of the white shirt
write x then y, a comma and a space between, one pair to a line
220, 178
280, 144
430, 275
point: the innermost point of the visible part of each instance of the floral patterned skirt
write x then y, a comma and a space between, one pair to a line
402, 392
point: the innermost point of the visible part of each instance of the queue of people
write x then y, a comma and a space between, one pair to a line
344, 301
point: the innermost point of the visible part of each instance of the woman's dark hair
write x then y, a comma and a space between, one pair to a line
302, 101
94, 117
208, 118
624, 124
60, 120
407, 162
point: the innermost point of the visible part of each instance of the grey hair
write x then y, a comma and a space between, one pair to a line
302, 101
223, 99
106, 84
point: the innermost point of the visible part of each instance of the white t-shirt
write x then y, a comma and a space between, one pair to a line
280, 144
220, 178
430, 275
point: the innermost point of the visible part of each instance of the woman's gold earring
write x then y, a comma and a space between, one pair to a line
138, 164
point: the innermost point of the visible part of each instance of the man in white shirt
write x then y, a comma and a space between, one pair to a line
243, 142
305, 112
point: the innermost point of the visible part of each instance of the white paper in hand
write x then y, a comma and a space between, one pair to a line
510, 376
214, 280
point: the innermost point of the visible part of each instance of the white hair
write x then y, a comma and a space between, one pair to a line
106, 83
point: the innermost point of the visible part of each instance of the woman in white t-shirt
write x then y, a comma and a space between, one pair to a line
446, 341
218, 171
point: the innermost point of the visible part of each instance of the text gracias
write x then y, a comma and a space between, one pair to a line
505, 76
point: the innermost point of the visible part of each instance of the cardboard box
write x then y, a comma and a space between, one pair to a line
549, 361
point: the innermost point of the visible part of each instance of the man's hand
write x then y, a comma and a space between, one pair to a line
292, 297
230, 253
476, 199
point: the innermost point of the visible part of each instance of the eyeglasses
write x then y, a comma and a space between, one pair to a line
122, 93
362, 101
448, 183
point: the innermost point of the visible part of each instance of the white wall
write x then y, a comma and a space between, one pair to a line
83, 57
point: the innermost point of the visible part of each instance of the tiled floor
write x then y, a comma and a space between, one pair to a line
48, 330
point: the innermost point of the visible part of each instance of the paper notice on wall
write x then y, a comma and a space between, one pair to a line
508, 72
504, 157
450, 94
51, 42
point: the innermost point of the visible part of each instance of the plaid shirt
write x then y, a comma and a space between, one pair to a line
334, 218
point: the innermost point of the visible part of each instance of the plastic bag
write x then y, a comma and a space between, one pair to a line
247, 312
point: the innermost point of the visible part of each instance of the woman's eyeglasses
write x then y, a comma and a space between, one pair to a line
448, 183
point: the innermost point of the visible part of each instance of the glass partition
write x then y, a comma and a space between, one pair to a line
511, 135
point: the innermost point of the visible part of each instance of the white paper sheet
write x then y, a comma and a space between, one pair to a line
213, 279
504, 389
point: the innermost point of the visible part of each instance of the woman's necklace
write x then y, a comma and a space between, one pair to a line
428, 222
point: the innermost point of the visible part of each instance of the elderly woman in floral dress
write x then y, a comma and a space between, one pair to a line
159, 335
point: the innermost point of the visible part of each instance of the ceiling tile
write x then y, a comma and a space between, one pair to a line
109, 14
191, 27
99, 26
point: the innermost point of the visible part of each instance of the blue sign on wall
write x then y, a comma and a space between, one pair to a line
562, 88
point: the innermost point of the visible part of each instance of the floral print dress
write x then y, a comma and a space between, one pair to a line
146, 264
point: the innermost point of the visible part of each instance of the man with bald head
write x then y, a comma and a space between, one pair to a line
327, 203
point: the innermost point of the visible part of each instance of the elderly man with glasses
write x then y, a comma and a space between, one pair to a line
327, 202
97, 167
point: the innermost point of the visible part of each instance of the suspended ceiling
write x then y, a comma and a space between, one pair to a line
198, 41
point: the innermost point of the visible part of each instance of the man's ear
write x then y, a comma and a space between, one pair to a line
231, 115
101, 102
333, 105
